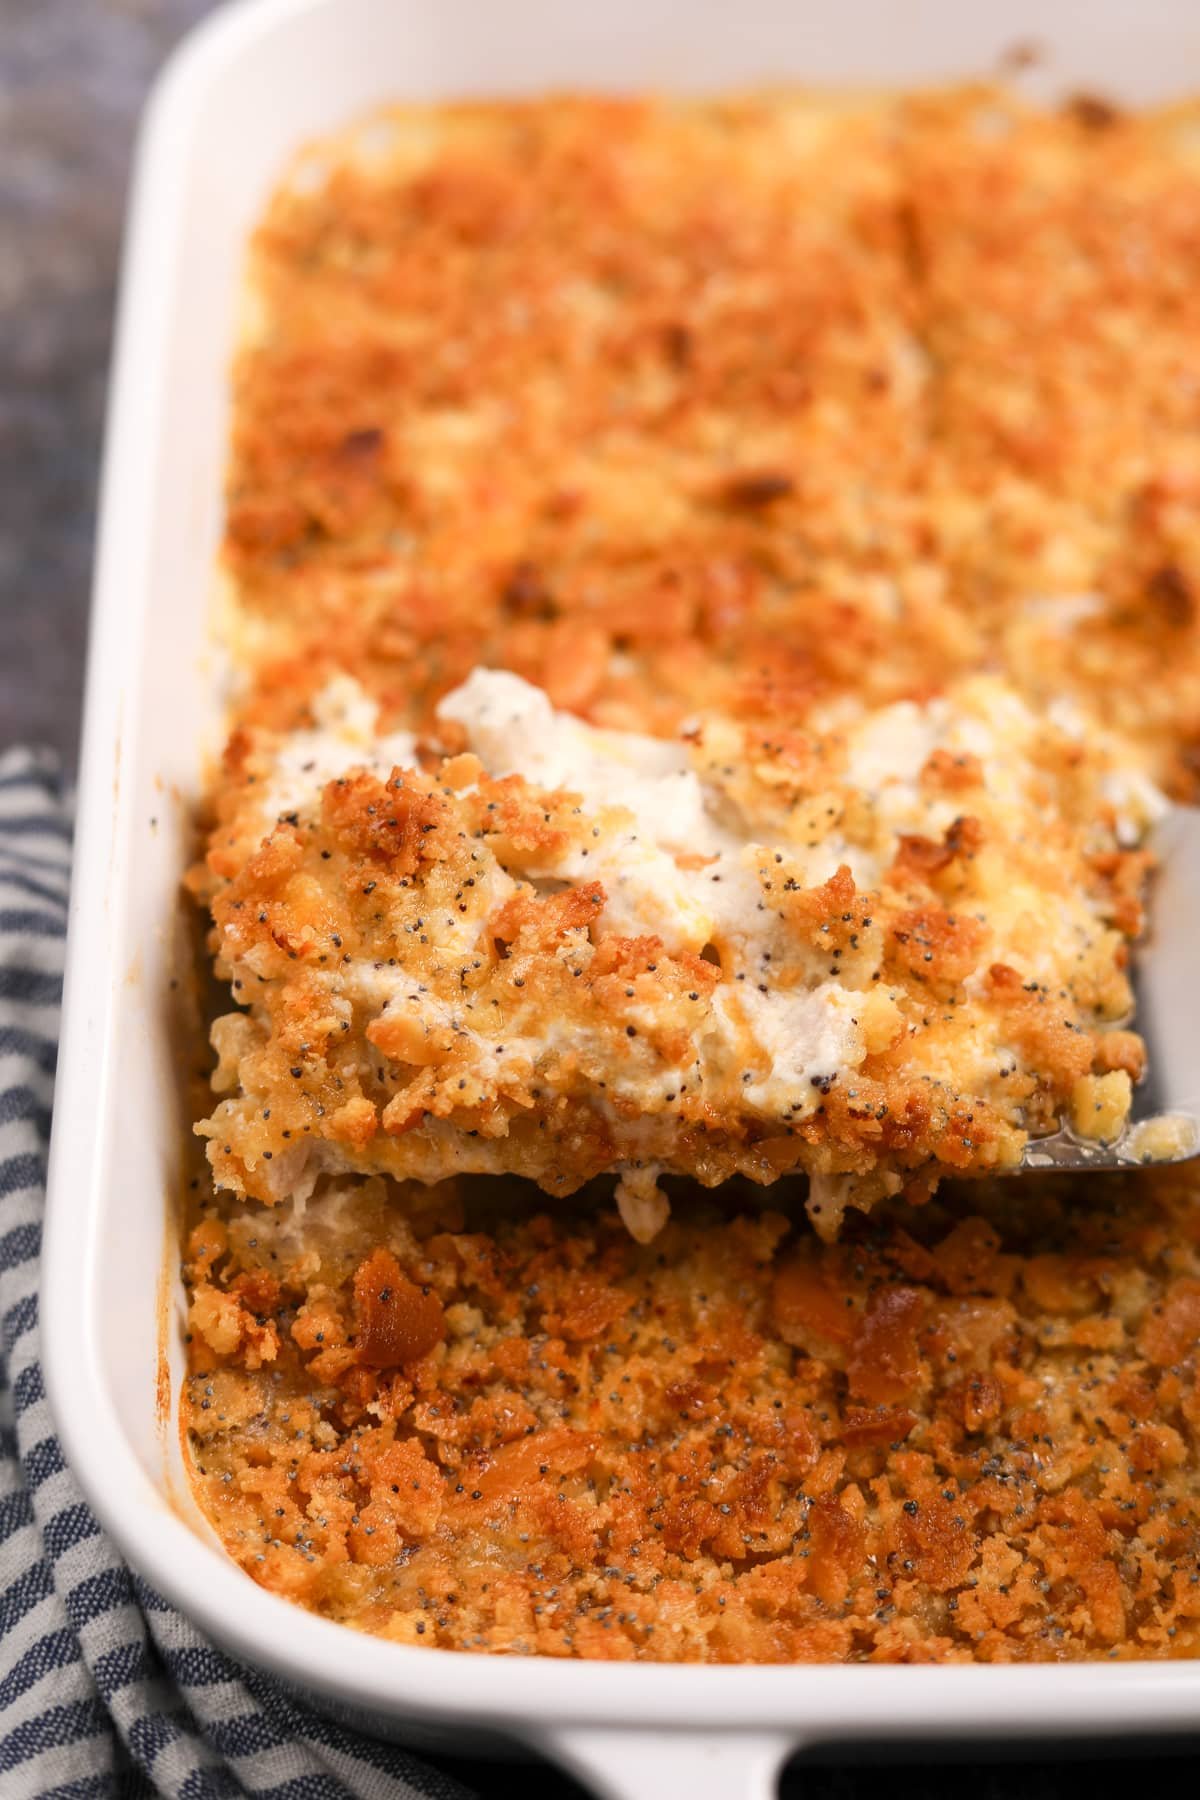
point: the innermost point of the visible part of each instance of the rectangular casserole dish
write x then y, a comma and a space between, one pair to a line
247, 89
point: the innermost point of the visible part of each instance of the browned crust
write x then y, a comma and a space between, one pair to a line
734, 408
942, 1440
408, 1017
776, 397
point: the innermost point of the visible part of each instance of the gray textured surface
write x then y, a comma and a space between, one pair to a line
72, 77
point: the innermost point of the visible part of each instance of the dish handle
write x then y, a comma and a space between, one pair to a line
649, 1764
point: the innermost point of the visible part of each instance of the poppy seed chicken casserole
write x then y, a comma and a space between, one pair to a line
875, 953
713, 591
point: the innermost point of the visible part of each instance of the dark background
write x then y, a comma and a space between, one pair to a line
72, 77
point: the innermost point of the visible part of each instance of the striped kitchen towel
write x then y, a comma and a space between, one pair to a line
104, 1690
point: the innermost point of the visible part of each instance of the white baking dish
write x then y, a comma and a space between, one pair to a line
249, 86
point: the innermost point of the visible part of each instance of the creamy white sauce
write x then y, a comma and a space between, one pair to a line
342, 737
651, 808
785, 1039
647, 894
664, 807
513, 730
1136, 802
888, 749
891, 746
807, 1037
646, 808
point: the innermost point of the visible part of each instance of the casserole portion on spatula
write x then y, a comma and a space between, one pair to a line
880, 951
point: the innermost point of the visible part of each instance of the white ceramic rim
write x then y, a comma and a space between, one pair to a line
779, 1707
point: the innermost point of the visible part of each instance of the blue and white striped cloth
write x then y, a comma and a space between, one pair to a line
104, 1690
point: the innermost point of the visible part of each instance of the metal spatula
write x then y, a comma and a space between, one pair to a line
1167, 989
